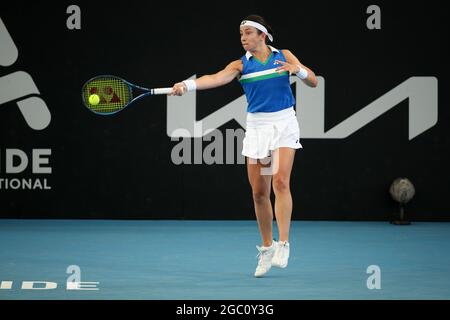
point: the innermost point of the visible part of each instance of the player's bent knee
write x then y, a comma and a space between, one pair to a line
280, 184
260, 196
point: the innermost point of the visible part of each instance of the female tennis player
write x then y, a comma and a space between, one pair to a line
272, 134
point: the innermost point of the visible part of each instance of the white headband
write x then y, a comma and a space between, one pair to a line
258, 26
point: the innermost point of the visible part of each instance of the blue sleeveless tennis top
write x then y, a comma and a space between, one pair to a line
266, 90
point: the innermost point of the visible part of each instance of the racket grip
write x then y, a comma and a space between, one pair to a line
161, 91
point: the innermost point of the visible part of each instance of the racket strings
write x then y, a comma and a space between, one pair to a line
114, 94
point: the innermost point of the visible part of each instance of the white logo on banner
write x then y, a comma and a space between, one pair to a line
182, 123
421, 92
20, 87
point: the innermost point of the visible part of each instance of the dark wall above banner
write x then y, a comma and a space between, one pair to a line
380, 111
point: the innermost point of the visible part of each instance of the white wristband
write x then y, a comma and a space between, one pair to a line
302, 74
190, 85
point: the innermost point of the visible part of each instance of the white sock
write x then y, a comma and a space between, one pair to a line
269, 247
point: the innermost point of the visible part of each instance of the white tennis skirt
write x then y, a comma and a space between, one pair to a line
268, 131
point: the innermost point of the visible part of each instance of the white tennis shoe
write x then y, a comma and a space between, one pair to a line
281, 256
265, 256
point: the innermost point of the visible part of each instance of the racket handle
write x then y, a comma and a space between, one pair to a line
161, 91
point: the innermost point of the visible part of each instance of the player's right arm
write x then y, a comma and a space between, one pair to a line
209, 81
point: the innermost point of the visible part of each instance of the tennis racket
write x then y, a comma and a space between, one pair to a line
108, 94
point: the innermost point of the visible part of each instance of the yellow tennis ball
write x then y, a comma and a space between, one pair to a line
94, 99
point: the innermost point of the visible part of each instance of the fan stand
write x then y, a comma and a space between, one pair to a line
402, 221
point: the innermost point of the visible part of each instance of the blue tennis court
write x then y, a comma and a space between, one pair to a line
168, 259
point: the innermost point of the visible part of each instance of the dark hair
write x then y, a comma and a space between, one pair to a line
260, 20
